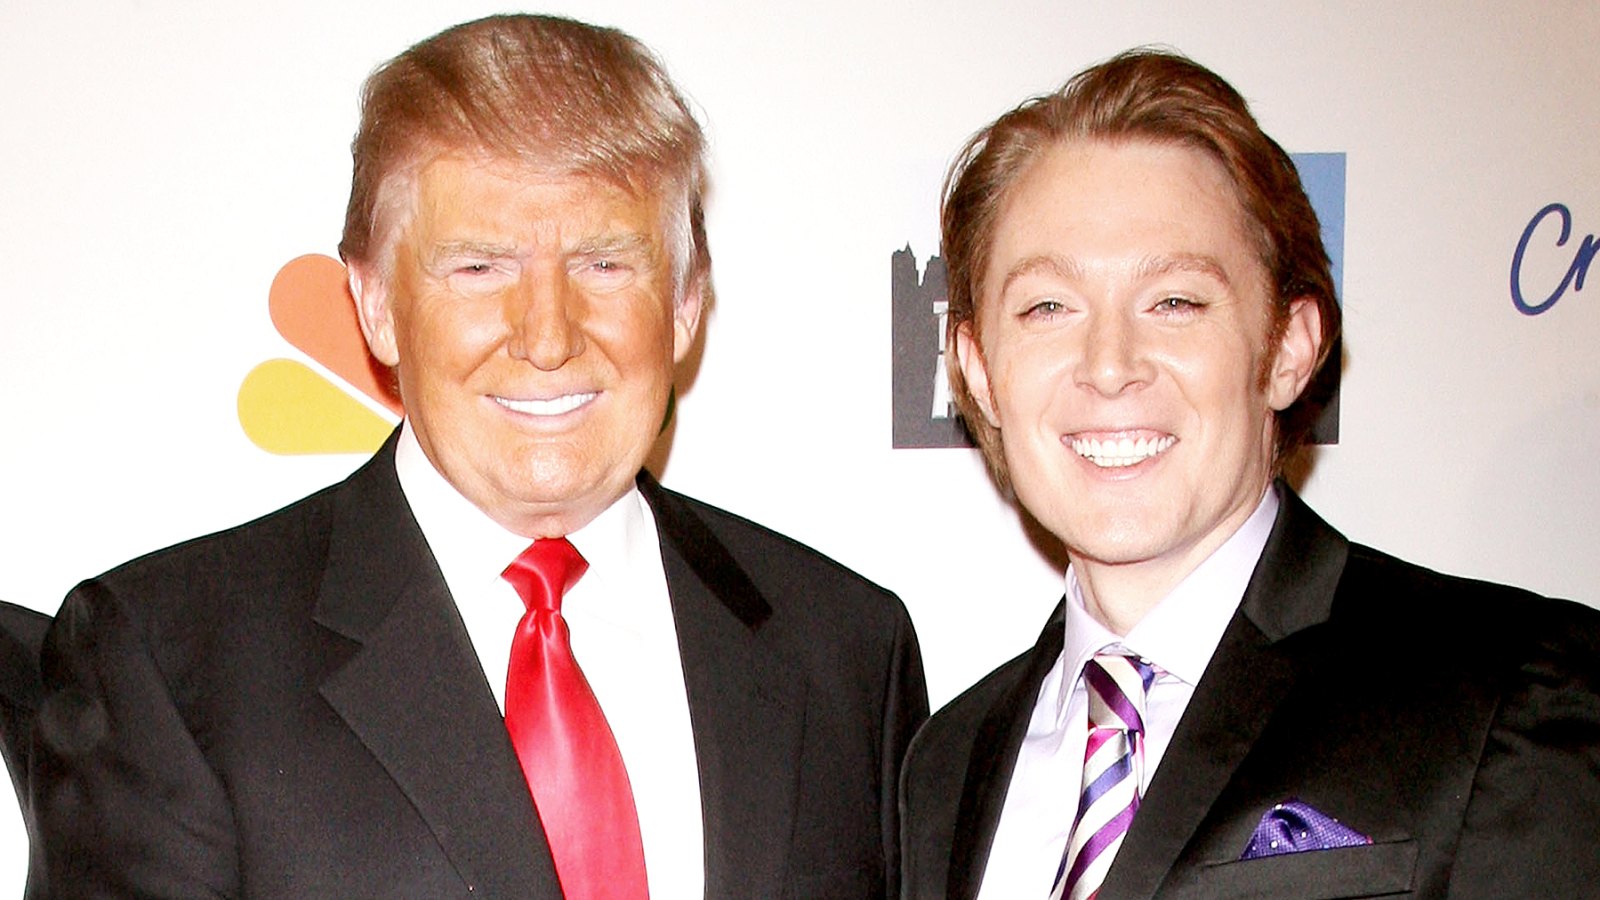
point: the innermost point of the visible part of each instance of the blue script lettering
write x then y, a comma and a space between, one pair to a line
1575, 273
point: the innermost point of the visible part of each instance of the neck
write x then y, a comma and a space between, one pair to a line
1119, 596
1120, 593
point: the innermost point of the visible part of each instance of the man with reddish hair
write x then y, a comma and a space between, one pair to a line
499, 660
1231, 699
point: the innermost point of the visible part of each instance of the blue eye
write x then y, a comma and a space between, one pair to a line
1044, 308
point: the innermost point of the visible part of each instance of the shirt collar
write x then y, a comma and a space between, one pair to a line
1182, 631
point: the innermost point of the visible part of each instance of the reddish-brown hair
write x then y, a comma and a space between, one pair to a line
1152, 95
560, 95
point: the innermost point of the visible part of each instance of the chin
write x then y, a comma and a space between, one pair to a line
551, 486
1120, 554
1114, 540
550, 492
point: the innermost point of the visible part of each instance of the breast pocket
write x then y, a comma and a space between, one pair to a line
1373, 870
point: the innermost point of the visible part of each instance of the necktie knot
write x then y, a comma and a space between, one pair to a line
1117, 685
544, 572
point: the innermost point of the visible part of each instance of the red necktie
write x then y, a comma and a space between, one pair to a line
568, 754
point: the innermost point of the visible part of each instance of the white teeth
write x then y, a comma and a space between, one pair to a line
560, 405
1112, 454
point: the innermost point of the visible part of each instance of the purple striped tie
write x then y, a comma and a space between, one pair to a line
1113, 767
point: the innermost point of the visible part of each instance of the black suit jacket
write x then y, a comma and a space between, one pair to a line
1456, 723
21, 633
293, 709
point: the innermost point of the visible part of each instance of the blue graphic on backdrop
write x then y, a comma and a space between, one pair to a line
923, 413
1587, 249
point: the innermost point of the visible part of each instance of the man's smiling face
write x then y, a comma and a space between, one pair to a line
532, 323
1122, 352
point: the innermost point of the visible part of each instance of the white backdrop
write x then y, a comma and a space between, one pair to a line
161, 160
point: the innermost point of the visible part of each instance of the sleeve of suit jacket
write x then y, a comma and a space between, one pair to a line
1532, 822
904, 713
128, 805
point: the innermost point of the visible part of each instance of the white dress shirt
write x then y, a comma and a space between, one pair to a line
623, 637
1178, 635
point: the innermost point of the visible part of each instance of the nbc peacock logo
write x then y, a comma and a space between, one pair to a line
289, 407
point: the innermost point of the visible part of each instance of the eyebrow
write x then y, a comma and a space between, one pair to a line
614, 242
1046, 264
617, 242
455, 249
1197, 263
1066, 267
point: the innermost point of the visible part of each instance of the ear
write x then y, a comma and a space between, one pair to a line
376, 313
1296, 355
969, 356
686, 313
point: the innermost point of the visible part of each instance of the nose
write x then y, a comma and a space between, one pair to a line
1113, 358
541, 312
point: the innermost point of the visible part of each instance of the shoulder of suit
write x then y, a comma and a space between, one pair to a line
271, 541
954, 726
1448, 612
232, 587
256, 571
263, 543
764, 553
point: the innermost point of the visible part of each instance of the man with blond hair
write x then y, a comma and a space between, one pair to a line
1232, 700
498, 660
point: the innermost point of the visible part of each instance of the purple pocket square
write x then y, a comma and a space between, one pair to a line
1295, 827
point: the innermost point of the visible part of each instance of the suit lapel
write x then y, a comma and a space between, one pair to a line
1252, 669
746, 703
413, 691
983, 793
